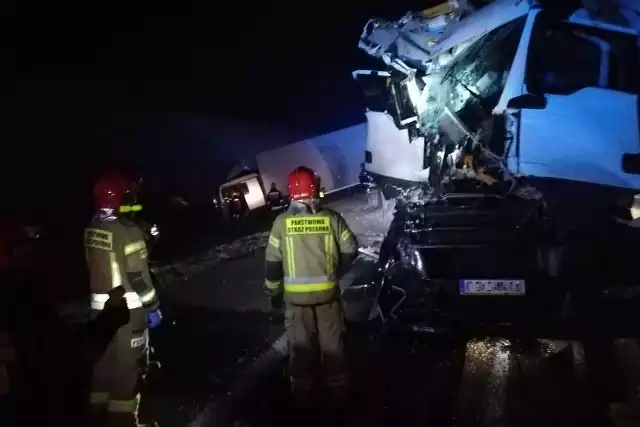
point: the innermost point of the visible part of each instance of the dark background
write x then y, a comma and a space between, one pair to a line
162, 87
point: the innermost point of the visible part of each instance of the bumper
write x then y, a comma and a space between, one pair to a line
550, 309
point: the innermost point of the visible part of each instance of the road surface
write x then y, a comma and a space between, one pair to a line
219, 367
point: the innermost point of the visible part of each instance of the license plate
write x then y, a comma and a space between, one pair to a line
492, 287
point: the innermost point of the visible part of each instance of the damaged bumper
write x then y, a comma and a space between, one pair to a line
550, 309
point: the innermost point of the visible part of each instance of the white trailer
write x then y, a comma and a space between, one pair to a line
335, 157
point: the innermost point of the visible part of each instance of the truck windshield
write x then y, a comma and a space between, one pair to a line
565, 58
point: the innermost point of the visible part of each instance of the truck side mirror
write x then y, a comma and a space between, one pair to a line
528, 101
631, 163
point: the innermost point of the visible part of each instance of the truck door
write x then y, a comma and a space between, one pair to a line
580, 116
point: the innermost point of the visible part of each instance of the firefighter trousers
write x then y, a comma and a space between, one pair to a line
117, 377
315, 336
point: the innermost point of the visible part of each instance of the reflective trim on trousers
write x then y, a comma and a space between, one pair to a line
98, 300
124, 406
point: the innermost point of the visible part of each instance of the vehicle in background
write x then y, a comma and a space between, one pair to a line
242, 194
335, 156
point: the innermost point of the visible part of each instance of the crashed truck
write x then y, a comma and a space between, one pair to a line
334, 156
509, 133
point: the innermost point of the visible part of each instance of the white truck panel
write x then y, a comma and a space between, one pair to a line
255, 196
335, 157
392, 153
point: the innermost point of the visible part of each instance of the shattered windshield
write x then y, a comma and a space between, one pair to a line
472, 84
565, 58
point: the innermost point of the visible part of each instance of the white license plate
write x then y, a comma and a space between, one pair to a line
492, 287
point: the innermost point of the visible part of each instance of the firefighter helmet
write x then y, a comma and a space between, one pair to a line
302, 184
113, 190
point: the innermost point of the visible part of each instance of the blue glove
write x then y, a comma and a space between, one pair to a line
154, 318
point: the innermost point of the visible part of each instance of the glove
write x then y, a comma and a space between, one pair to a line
277, 302
154, 318
116, 312
113, 317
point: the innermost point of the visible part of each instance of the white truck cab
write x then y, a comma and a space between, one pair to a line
552, 90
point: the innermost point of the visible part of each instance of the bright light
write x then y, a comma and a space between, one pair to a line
635, 207
154, 230
254, 197
414, 94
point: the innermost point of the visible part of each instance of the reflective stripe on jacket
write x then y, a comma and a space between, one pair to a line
98, 300
306, 248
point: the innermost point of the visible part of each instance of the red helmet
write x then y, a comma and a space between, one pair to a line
302, 184
113, 190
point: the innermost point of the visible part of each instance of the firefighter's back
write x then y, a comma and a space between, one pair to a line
311, 255
106, 244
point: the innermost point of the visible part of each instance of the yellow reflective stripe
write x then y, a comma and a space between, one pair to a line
126, 406
130, 208
98, 300
310, 287
346, 234
288, 254
328, 253
134, 247
290, 258
116, 278
274, 242
273, 285
148, 296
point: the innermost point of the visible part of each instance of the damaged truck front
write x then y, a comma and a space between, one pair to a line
516, 130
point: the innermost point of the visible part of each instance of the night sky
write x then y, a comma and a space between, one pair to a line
81, 63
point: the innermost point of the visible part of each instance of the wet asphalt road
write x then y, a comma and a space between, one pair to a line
397, 380
202, 346
477, 383
218, 322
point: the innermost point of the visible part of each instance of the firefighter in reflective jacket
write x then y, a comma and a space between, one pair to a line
117, 256
309, 248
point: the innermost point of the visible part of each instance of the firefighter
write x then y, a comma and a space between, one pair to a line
275, 198
309, 248
117, 256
